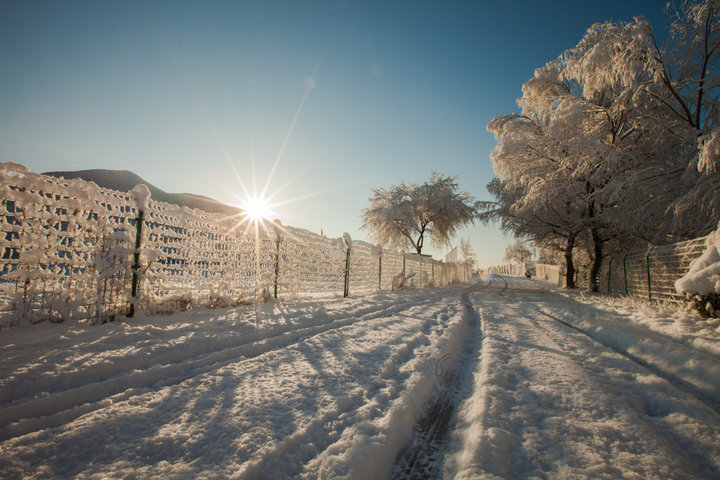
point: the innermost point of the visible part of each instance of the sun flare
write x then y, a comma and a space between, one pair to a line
257, 209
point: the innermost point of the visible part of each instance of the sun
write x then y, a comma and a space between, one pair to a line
256, 208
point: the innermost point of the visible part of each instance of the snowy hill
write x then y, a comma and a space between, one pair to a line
125, 180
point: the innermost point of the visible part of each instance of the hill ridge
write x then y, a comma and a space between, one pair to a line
125, 180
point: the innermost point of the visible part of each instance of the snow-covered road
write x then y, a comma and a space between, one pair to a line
565, 389
505, 377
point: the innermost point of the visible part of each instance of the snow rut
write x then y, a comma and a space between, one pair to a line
663, 387
659, 354
549, 400
654, 404
706, 393
121, 380
422, 458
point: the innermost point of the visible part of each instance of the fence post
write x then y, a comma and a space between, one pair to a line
647, 263
277, 266
136, 262
421, 271
625, 273
346, 290
380, 269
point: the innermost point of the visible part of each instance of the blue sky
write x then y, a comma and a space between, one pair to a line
339, 96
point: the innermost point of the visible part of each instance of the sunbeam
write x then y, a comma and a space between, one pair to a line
257, 208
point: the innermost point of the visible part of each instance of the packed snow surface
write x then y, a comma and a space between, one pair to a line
546, 384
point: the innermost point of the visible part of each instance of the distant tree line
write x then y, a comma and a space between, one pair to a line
617, 142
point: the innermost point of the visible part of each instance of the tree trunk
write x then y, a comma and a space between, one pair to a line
597, 260
597, 252
569, 265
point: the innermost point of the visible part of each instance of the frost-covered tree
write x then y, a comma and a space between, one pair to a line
554, 226
667, 99
404, 215
687, 75
604, 138
535, 196
519, 252
467, 253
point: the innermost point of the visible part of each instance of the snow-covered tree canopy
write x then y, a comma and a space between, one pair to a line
402, 216
617, 139
519, 253
467, 253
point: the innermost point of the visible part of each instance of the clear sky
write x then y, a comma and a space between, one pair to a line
327, 99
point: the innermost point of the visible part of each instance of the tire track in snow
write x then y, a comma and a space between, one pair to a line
689, 453
674, 380
21, 389
61, 407
422, 457
499, 433
335, 418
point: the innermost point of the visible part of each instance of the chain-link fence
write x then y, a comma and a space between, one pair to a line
649, 273
507, 269
69, 251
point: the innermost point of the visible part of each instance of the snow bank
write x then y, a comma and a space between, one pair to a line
703, 278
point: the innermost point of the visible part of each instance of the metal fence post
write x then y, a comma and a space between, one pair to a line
625, 273
136, 262
346, 290
380, 270
647, 263
277, 266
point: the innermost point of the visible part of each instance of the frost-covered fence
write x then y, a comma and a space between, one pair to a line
551, 273
507, 269
68, 251
66, 248
649, 273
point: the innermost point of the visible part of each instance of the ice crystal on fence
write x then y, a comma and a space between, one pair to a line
67, 251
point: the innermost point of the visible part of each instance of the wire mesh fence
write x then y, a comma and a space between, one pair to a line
68, 251
649, 273
508, 269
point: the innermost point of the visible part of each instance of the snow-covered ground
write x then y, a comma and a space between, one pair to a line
503, 378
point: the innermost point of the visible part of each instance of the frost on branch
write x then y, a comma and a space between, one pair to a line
709, 148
